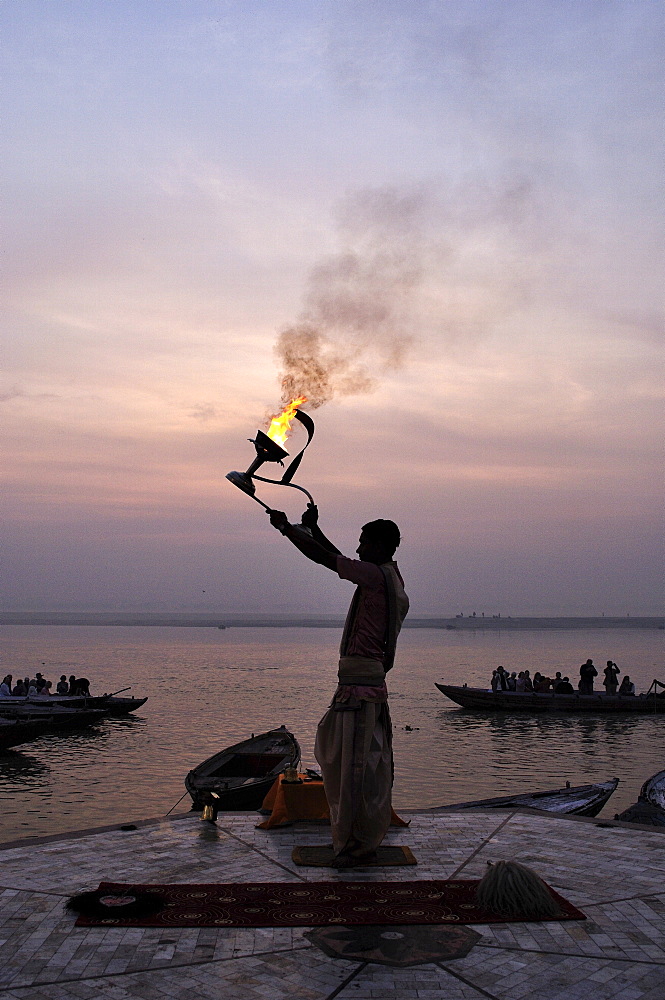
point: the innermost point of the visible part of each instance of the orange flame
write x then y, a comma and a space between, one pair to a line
281, 425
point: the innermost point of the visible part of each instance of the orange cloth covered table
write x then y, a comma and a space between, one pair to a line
291, 803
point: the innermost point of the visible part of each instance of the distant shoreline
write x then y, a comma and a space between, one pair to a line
226, 621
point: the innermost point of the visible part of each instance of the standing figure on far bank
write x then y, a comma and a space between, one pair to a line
354, 737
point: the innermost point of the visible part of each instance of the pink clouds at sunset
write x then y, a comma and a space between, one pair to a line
465, 200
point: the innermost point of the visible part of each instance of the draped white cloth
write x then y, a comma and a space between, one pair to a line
354, 738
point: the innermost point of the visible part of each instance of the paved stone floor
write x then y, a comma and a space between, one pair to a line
614, 873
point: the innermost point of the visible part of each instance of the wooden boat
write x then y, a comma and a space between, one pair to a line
582, 800
106, 703
112, 705
26, 728
36, 711
482, 700
650, 806
242, 774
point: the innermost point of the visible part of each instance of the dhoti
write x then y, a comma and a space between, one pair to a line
354, 751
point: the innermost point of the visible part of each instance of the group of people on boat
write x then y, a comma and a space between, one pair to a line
610, 679
523, 683
39, 687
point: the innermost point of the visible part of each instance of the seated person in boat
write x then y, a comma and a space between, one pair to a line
520, 683
62, 686
6, 686
627, 686
354, 738
19, 690
565, 687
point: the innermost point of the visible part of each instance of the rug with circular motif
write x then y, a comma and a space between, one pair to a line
298, 904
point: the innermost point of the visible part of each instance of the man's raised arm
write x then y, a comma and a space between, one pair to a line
315, 545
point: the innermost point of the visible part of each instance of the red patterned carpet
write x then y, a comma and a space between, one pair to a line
296, 904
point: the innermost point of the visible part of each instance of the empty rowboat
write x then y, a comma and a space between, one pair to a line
241, 775
582, 800
650, 806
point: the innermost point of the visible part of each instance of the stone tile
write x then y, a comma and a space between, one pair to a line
583, 860
425, 982
510, 975
299, 975
614, 875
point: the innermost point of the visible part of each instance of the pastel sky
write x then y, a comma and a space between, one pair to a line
464, 196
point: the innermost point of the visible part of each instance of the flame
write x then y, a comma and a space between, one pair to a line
281, 425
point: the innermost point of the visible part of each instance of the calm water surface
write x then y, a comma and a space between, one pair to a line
209, 688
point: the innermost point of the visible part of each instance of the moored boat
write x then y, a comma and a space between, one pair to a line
107, 703
62, 713
650, 806
482, 700
112, 705
24, 728
241, 775
581, 800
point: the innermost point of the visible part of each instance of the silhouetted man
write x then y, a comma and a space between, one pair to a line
587, 674
354, 737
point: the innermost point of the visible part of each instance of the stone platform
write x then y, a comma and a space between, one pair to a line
614, 873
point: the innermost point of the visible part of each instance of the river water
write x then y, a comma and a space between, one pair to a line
208, 688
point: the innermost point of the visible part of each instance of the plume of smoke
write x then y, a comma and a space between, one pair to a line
356, 318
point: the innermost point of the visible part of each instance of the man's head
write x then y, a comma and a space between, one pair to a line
378, 541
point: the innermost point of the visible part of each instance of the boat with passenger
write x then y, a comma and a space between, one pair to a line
651, 702
107, 704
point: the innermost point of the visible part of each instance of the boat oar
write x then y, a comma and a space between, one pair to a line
176, 804
114, 693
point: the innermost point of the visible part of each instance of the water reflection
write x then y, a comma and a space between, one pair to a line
474, 756
248, 680
504, 726
21, 769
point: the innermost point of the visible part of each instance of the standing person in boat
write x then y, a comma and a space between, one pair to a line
587, 674
611, 681
354, 737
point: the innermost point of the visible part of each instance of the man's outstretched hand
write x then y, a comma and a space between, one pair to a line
278, 519
310, 517
313, 548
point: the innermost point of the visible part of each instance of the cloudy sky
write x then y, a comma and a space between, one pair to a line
460, 201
